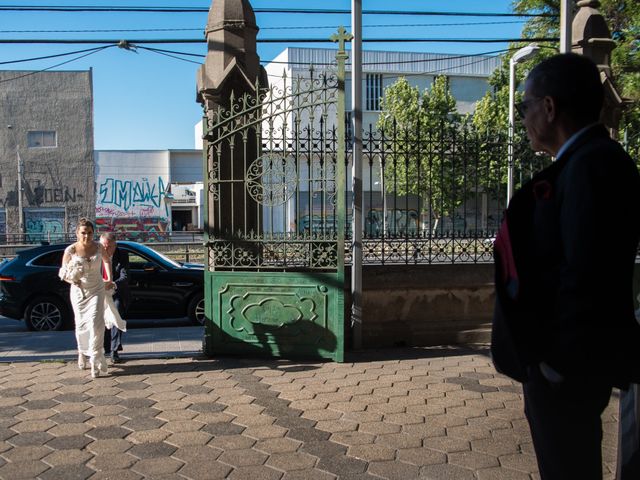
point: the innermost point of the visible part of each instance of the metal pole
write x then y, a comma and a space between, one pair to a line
566, 20
512, 87
356, 173
19, 160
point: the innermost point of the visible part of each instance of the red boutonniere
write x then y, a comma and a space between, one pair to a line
542, 190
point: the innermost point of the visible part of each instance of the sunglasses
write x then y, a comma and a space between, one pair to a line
523, 106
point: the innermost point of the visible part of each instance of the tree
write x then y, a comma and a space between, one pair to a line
623, 19
422, 129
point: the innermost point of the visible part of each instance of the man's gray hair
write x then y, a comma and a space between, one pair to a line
110, 236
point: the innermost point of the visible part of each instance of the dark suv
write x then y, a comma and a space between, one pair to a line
160, 287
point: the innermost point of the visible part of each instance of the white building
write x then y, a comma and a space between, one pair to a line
150, 191
468, 82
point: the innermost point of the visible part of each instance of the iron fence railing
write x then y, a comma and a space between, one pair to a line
437, 195
31, 238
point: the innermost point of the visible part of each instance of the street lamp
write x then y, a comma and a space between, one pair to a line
525, 53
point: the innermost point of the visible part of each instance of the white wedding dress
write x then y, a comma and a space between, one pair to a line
88, 302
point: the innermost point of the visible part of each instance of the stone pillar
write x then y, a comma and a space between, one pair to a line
231, 69
591, 38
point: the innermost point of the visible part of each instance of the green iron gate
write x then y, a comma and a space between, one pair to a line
275, 177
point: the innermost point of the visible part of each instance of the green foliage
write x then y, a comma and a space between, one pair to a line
422, 127
623, 19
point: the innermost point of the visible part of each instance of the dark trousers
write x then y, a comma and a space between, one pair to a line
113, 337
566, 426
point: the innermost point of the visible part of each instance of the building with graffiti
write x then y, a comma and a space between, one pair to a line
46, 153
148, 194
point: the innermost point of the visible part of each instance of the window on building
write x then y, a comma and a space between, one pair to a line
42, 138
373, 91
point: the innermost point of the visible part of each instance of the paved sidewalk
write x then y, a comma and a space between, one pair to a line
139, 342
437, 413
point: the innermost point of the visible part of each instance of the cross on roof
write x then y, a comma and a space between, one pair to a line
341, 37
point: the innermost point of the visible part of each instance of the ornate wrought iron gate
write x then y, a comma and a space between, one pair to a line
275, 177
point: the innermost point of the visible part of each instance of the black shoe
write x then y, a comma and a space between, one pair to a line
115, 358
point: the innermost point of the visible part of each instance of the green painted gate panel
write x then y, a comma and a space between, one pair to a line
275, 178
279, 314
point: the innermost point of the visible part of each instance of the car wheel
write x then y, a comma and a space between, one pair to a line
196, 310
44, 314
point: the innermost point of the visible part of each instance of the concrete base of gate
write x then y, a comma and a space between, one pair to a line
424, 305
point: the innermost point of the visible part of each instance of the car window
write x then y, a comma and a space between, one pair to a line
49, 259
138, 262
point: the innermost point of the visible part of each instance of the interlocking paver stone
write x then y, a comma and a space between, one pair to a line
20, 470
116, 445
157, 466
69, 442
291, 461
184, 439
152, 450
206, 469
67, 457
30, 438
67, 472
114, 461
394, 470
24, 454
232, 442
430, 413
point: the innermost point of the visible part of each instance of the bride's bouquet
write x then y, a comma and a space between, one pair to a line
73, 272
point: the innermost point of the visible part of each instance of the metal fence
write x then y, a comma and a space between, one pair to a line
437, 196
142, 236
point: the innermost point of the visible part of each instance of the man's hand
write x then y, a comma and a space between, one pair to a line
109, 285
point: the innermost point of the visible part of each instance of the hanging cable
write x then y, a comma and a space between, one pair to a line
51, 56
303, 11
96, 50
284, 40
288, 27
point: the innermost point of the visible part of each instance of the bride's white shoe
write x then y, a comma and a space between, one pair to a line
82, 361
99, 367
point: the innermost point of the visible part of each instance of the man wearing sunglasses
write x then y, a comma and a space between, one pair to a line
564, 322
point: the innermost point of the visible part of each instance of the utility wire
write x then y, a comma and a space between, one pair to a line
302, 27
304, 11
52, 56
284, 40
95, 50
168, 53
399, 62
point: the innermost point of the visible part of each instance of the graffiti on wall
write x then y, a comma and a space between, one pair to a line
137, 229
128, 195
44, 224
134, 207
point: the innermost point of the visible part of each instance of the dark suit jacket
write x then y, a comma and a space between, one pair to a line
120, 272
573, 231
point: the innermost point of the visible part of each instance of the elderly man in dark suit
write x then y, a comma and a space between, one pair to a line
121, 297
564, 322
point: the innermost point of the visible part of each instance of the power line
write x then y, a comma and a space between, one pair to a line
304, 11
95, 50
399, 62
283, 40
51, 56
302, 27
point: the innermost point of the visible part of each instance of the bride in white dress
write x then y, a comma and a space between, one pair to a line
82, 268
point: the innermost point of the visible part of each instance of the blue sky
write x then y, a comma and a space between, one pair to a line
145, 100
